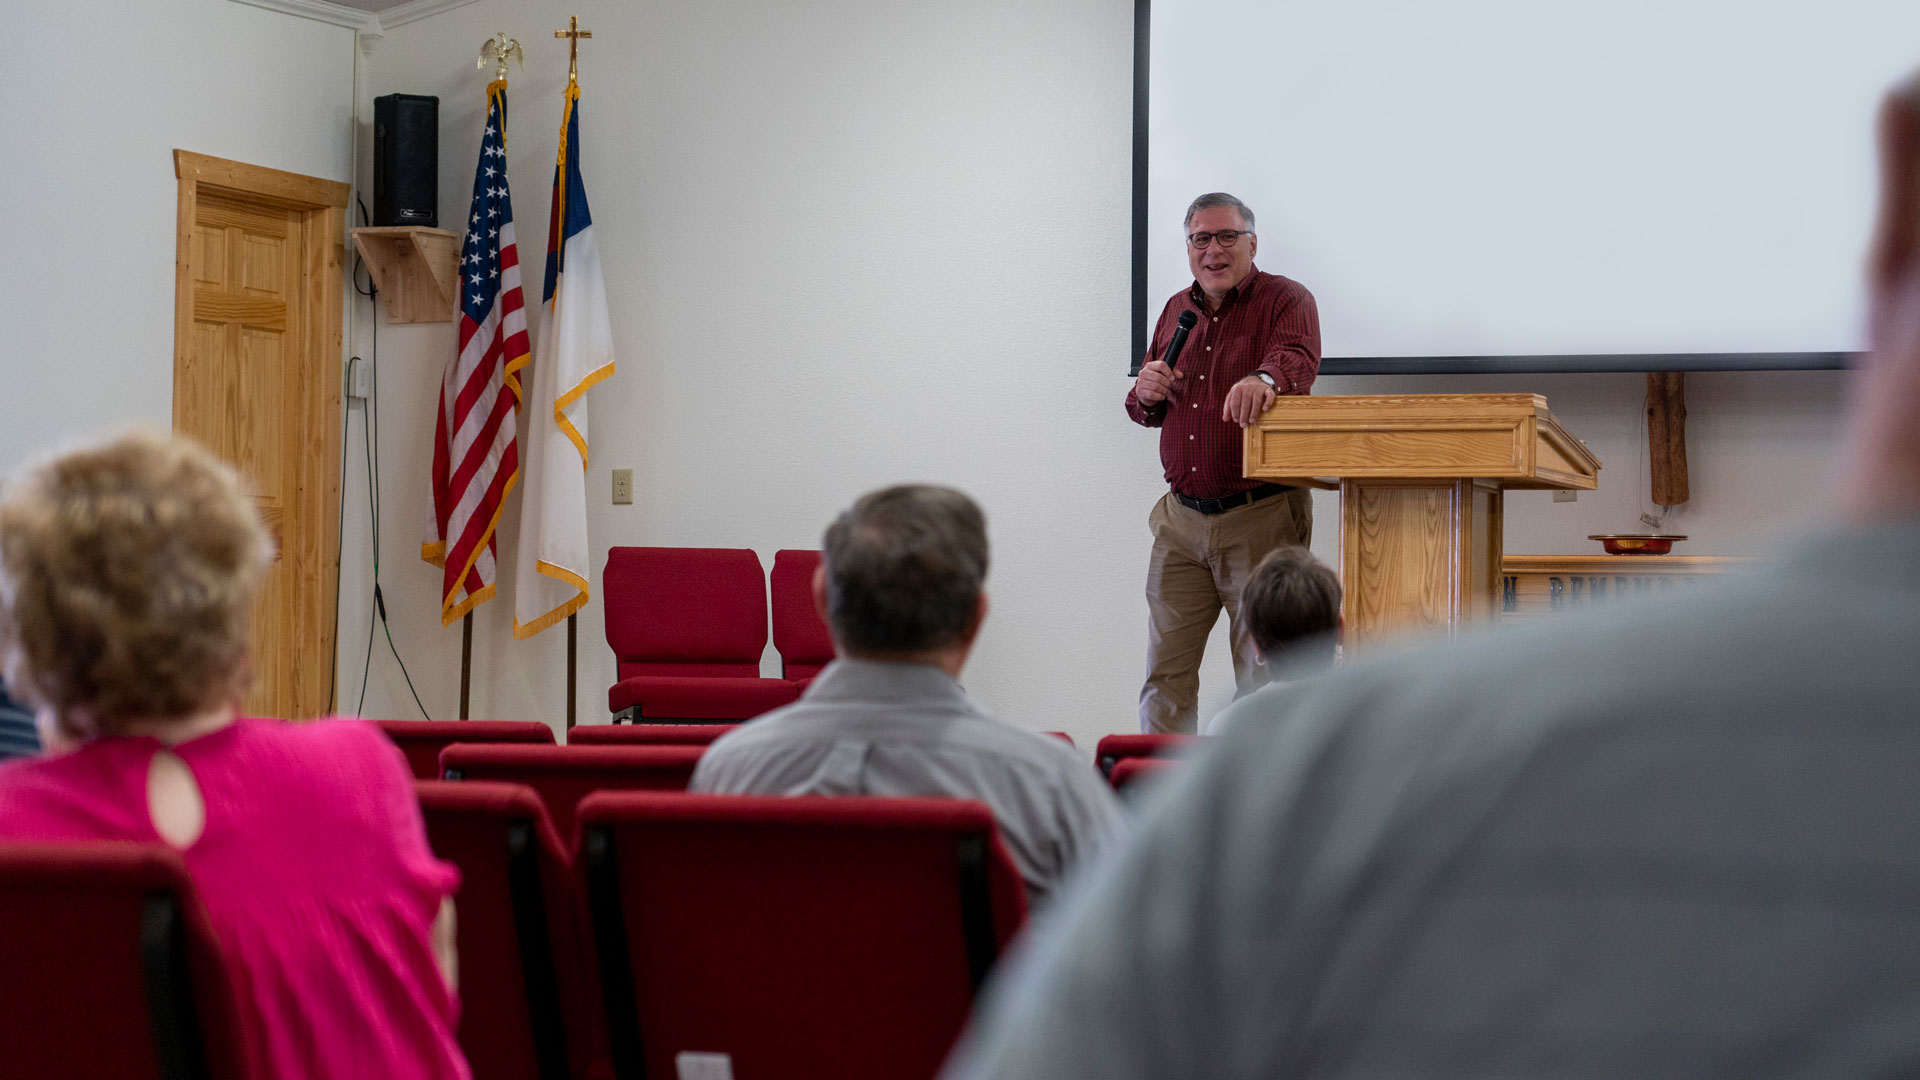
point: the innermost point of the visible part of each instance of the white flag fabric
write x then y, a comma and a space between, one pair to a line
552, 578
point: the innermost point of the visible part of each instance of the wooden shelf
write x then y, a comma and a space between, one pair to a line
414, 269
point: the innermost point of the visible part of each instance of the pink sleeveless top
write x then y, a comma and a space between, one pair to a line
315, 872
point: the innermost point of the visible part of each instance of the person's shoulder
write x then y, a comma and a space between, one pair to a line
20, 777
753, 737
1020, 747
1486, 702
1280, 286
343, 744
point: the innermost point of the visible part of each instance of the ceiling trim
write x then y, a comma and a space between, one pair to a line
415, 10
321, 11
365, 22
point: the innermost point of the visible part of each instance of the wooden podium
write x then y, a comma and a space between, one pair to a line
1421, 478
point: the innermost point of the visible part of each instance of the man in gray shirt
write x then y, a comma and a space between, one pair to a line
901, 586
1682, 840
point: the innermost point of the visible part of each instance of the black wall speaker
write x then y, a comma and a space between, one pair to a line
406, 160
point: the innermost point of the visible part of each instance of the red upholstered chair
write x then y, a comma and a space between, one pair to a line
563, 775
108, 967
1061, 735
889, 913
647, 734
422, 740
799, 633
1132, 770
1111, 748
526, 1008
687, 627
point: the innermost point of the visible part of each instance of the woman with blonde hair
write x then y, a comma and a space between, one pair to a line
127, 571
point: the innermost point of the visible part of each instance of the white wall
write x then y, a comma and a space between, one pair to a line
93, 100
852, 244
861, 242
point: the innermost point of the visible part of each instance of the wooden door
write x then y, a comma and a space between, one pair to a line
256, 379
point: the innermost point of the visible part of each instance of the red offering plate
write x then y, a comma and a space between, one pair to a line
1637, 543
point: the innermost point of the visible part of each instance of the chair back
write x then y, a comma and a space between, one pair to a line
801, 937
524, 1007
647, 734
422, 740
799, 633
1111, 748
563, 775
685, 611
1130, 771
108, 967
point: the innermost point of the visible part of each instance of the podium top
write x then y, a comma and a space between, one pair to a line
1511, 439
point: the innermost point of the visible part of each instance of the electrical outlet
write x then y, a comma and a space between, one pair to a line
1565, 495
622, 487
359, 378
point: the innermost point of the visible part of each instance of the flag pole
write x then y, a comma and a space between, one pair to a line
466, 660
572, 667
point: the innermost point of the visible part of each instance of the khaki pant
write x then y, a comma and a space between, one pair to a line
1199, 564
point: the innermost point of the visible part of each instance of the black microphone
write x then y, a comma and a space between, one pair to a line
1187, 319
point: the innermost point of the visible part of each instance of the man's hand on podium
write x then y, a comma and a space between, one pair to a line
1246, 401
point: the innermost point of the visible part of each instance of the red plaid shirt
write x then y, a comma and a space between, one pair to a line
1266, 323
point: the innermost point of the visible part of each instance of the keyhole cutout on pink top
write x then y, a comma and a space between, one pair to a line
174, 802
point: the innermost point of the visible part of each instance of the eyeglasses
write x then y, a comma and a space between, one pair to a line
1227, 238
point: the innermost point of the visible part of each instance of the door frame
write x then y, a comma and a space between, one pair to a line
322, 205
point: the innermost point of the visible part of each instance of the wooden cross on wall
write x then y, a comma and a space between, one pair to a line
1667, 436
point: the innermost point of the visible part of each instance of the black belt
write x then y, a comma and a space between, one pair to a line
1228, 502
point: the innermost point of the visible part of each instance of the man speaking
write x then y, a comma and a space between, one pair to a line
1252, 336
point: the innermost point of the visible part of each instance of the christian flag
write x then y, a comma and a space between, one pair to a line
576, 351
475, 460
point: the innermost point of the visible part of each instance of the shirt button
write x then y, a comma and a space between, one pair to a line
1196, 404
1193, 468
1189, 438
1203, 378
1209, 348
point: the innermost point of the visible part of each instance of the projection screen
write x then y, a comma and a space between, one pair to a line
1533, 178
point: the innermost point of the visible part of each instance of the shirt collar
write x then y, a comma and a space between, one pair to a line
848, 678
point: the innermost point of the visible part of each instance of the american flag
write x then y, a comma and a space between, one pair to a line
476, 462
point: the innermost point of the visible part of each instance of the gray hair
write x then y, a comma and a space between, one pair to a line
904, 569
1218, 198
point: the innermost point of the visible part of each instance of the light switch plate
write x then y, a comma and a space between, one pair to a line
622, 487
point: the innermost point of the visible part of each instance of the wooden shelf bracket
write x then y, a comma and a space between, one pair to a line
414, 269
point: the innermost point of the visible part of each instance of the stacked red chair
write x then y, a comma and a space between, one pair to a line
647, 734
526, 1010
108, 967
799, 937
799, 634
1112, 748
687, 627
1129, 771
422, 740
564, 775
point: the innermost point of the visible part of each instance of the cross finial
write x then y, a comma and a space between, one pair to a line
573, 34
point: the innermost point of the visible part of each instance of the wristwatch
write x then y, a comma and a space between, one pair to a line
1268, 379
